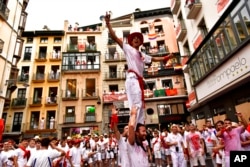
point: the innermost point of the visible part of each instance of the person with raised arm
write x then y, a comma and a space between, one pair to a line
135, 61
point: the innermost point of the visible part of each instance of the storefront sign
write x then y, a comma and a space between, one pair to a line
230, 71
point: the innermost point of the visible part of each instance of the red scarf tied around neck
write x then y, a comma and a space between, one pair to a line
26, 152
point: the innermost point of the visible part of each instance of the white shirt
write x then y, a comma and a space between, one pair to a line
138, 157
21, 161
5, 155
123, 150
76, 155
156, 143
43, 158
171, 138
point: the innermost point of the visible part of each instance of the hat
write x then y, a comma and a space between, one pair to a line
135, 34
105, 134
69, 138
76, 141
36, 137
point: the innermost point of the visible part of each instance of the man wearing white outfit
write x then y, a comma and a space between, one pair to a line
156, 144
175, 141
195, 147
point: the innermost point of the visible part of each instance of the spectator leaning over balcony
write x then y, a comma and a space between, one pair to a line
135, 60
231, 137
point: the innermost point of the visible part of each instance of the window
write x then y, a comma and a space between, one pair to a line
111, 51
91, 87
42, 52
1, 45
110, 40
27, 53
69, 115
40, 72
50, 120
37, 97
113, 88
159, 29
91, 43
112, 71
29, 40
164, 109
44, 40
150, 85
167, 83
144, 30
203, 28
125, 33
4, 116
52, 95
21, 93
57, 40
34, 119
71, 87
17, 122
168, 109
25, 74
90, 113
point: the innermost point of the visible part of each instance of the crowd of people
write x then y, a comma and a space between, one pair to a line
180, 146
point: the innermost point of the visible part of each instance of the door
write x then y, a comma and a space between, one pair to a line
17, 122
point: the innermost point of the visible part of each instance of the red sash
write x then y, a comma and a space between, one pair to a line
141, 83
26, 152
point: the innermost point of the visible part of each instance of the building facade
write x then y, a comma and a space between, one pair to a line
12, 23
214, 40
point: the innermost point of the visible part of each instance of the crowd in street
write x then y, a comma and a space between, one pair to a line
179, 147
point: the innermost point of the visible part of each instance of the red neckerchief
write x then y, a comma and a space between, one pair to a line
141, 84
26, 152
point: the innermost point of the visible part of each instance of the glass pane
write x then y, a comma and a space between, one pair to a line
246, 18
239, 28
230, 35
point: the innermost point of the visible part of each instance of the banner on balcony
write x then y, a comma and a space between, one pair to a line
114, 97
152, 36
1, 128
81, 47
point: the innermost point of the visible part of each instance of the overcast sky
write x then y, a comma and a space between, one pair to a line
53, 12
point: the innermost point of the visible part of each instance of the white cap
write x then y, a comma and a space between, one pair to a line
69, 138
163, 134
36, 137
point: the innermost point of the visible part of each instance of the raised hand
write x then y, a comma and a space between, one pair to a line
107, 18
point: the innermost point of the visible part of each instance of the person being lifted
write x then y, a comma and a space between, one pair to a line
135, 60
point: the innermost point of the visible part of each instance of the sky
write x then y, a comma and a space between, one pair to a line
53, 13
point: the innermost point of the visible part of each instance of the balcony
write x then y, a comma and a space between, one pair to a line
68, 95
69, 119
181, 31
110, 97
155, 51
161, 72
175, 6
193, 8
38, 78
90, 117
33, 127
51, 101
18, 103
35, 102
89, 94
55, 57
23, 78
53, 76
113, 76
4, 11
116, 57
41, 57
79, 68
15, 127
